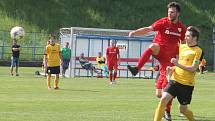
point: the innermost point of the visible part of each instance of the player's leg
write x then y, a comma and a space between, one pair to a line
160, 84
49, 71
168, 93
188, 113
115, 72
56, 81
110, 75
110, 70
184, 98
12, 66
159, 93
153, 49
64, 65
104, 70
17, 66
57, 72
167, 114
161, 106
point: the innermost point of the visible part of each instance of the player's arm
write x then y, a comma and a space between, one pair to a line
46, 53
169, 71
141, 31
107, 53
119, 58
15, 49
192, 68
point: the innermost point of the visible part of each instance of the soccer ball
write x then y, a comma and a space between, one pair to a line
17, 33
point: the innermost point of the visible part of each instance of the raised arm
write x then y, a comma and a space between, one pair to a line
141, 31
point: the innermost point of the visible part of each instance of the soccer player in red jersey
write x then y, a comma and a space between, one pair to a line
113, 59
165, 46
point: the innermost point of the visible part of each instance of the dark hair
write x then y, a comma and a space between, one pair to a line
175, 5
194, 31
52, 36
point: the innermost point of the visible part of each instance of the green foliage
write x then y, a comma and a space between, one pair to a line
50, 15
26, 98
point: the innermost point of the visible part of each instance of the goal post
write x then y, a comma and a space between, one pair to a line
90, 41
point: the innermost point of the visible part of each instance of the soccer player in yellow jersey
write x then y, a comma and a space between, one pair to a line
102, 63
53, 56
182, 81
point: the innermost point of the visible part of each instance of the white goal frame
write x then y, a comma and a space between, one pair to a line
70, 35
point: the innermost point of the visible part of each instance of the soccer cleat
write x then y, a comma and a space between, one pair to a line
56, 88
167, 116
114, 82
133, 70
49, 88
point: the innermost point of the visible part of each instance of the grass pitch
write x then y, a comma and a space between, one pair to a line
26, 98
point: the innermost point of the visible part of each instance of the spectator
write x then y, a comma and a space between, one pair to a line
85, 64
102, 63
66, 55
15, 57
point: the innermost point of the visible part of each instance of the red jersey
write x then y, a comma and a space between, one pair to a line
169, 34
111, 54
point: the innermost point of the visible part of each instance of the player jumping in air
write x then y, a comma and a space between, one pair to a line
170, 31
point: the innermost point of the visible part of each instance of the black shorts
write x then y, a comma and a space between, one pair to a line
53, 70
182, 92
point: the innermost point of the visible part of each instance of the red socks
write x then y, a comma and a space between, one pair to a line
114, 75
144, 58
110, 76
168, 106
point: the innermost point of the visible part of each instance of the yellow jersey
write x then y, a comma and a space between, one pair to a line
188, 56
53, 55
100, 61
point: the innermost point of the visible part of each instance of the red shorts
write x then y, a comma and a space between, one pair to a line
164, 56
112, 66
162, 81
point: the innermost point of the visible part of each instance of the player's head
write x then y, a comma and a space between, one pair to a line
174, 10
67, 44
192, 35
113, 43
82, 55
52, 39
100, 54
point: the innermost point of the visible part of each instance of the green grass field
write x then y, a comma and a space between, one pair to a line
26, 98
